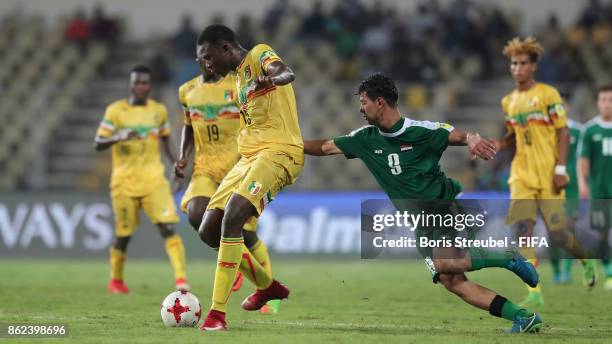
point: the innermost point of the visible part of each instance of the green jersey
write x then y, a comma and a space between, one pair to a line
596, 145
405, 159
575, 128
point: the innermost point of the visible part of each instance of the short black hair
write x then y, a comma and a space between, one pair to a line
379, 85
141, 69
216, 34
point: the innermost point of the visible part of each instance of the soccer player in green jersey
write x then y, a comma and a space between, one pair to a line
595, 166
403, 155
562, 268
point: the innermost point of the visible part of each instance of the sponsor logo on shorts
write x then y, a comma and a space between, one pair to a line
254, 188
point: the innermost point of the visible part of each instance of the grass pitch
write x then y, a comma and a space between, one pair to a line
352, 301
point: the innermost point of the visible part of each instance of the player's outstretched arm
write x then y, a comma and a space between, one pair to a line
507, 142
277, 73
185, 151
321, 147
101, 143
482, 148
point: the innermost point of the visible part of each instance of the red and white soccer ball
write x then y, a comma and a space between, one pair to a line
181, 309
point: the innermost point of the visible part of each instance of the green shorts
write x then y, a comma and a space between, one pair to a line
601, 214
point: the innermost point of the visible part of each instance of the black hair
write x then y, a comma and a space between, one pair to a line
141, 69
379, 85
216, 34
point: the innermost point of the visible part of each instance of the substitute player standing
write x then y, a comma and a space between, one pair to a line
272, 156
595, 166
211, 124
403, 155
537, 126
134, 127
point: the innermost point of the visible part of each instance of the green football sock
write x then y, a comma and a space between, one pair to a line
503, 308
555, 261
511, 311
482, 258
567, 265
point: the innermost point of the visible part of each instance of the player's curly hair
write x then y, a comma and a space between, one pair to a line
529, 46
216, 34
379, 85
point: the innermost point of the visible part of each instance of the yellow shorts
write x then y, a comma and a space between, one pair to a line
526, 201
201, 185
258, 178
158, 205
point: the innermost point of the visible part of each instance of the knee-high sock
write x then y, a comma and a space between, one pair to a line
117, 261
176, 254
228, 260
253, 271
504, 308
260, 252
482, 258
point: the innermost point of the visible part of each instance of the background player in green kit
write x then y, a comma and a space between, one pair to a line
562, 268
403, 155
595, 169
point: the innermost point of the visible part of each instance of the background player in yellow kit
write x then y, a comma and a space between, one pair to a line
211, 124
537, 125
134, 127
272, 156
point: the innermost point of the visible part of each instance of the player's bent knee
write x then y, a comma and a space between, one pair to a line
250, 238
195, 211
237, 212
121, 243
210, 228
165, 229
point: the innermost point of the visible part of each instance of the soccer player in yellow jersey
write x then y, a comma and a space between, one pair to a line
211, 124
537, 125
134, 127
272, 156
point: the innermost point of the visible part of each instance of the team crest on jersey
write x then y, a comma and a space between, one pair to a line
534, 102
247, 73
597, 137
405, 148
254, 188
229, 95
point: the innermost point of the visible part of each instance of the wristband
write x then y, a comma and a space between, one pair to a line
560, 170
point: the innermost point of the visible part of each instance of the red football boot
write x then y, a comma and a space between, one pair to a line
116, 286
181, 284
276, 291
237, 282
215, 321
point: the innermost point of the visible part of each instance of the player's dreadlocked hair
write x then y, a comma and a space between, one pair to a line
378, 85
529, 46
216, 34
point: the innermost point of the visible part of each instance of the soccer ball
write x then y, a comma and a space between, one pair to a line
181, 309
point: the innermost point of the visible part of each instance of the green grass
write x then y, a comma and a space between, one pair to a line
339, 301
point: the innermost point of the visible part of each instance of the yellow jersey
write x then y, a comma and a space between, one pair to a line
269, 117
534, 116
211, 110
137, 165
